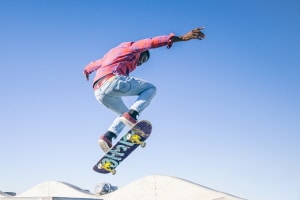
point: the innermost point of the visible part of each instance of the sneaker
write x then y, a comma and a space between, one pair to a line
105, 143
128, 120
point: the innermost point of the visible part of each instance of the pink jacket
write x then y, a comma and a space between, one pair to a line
123, 59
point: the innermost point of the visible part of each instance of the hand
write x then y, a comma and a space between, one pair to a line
194, 34
86, 74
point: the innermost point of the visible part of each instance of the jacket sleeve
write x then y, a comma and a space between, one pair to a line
92, 66
150, 43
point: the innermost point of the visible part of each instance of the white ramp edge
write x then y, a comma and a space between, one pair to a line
57, 189
160, 187
153, 187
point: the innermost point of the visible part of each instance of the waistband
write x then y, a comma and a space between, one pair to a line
102, 80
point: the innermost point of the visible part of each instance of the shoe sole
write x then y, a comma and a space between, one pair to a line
103, 145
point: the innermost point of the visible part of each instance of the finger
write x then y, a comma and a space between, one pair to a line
198, 29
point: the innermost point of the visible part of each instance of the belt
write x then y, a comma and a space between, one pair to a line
102, 80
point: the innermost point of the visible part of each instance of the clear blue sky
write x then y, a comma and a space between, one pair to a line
226, 115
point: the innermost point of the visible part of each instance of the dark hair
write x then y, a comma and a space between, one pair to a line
147, 53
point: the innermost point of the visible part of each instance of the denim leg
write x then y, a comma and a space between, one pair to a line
144, 99
115, 104
130, 86
110, 95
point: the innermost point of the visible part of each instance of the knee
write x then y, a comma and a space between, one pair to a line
101, 98
153, 90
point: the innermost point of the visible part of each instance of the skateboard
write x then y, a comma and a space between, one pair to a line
135, 137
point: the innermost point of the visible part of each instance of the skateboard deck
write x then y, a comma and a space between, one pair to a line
135, 137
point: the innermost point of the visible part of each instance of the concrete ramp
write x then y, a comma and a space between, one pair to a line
57, 189
160, 187
155, 187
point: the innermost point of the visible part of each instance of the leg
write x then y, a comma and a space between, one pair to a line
130, 86
111, 95
117, 105
144, 99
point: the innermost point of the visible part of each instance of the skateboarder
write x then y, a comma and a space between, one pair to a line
112, 80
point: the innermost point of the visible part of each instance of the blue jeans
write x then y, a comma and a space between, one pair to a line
110, 95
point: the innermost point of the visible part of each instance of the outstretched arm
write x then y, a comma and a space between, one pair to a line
193, 34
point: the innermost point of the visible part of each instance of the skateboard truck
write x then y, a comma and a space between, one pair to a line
107, 166
136, 139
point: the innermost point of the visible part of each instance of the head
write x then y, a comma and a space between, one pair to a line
144, 57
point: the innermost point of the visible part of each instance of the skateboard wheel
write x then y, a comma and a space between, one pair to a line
128, 136
113, 172
143, 144
100, 166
